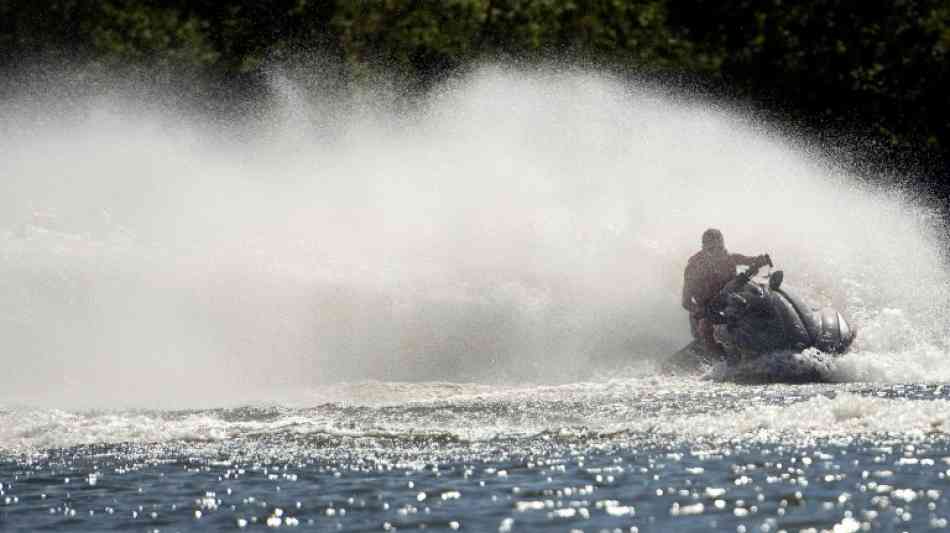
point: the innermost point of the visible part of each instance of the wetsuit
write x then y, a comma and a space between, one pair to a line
707, 272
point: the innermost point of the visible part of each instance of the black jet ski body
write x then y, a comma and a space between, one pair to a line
753, 317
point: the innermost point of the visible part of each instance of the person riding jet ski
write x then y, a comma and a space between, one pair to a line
707, 272
754, 316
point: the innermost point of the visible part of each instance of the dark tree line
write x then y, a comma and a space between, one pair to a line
879, 69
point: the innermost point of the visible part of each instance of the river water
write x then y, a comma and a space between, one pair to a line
634, 454
366, 312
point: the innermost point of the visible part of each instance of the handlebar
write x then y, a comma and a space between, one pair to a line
759, 262
712, 309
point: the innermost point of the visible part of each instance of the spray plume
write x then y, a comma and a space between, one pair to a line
509, 226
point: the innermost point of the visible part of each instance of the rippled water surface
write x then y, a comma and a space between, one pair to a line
635, 454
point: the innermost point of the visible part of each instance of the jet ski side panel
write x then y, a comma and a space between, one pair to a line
760, 328
828, 329
796, 333
806, 313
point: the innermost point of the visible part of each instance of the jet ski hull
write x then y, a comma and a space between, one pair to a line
693, 358
759, 325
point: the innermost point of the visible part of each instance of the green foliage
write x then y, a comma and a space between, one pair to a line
409, 34
884, 63
133, 31
635, 33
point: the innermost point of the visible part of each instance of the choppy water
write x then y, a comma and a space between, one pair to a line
632, 454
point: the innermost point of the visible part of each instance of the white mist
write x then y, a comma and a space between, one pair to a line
512, 226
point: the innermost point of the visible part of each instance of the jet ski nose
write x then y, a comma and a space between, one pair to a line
835, 333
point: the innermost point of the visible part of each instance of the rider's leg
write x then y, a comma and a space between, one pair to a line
709, 340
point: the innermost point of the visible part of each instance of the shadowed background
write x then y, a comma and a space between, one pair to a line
871, 75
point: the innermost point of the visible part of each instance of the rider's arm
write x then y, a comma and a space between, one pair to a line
747, 260
686, 297
689, 283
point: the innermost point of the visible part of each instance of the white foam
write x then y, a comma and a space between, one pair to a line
845, 415
625, 409
29, 430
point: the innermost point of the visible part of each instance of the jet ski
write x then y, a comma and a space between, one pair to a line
756, 316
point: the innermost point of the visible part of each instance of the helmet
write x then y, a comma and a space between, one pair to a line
712, 240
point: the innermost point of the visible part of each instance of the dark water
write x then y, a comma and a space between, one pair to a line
635, 454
